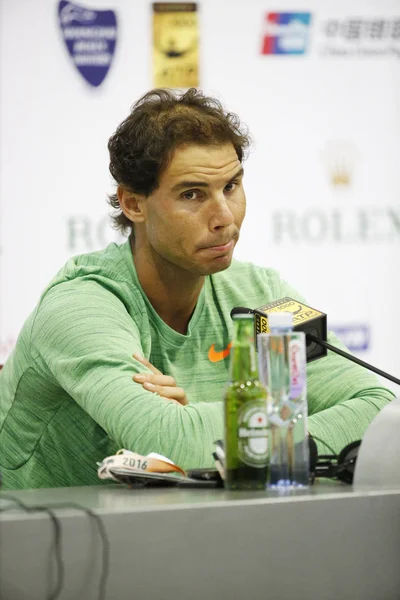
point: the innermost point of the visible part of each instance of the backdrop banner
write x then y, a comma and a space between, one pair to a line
317, 84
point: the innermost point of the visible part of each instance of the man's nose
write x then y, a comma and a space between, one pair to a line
221, 213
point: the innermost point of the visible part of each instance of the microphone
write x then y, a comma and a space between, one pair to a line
313, 323
309, 320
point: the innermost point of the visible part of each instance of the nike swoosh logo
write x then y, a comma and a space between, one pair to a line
217, 355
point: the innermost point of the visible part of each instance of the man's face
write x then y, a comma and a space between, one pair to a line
193, 219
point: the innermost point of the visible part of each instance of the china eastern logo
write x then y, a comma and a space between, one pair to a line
286, 33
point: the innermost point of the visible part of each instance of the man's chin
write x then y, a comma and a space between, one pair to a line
217, 266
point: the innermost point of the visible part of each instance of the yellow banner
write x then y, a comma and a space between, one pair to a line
175, 45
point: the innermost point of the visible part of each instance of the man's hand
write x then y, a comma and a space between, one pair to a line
163, 385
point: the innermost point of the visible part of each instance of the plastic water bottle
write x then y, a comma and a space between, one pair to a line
282, 367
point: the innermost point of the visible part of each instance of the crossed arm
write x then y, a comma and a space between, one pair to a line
86, 340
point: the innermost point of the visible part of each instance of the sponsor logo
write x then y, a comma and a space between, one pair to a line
218, 355
360, 37
378, 224
361, 226
301, 313
90, 37
286, 33
84, 234
340, 158
175, 44
355, 337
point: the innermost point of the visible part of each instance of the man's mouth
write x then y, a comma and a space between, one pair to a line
220, 248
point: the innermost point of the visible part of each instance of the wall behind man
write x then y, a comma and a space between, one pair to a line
322, 178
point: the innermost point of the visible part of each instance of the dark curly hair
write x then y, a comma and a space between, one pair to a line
159, 122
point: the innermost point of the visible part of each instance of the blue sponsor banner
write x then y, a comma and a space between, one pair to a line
90, 37
355, 337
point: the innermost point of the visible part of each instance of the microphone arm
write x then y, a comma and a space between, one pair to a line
312, 338
315, 339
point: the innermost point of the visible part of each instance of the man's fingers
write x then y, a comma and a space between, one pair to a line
146, 363
157, 379
172, 393
167, 391
163, 385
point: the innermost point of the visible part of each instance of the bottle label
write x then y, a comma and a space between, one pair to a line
297, 368
253, 435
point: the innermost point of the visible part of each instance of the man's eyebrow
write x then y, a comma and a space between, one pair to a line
202, 184
239, 173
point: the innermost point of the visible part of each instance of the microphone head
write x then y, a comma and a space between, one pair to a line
241, 310
305, 318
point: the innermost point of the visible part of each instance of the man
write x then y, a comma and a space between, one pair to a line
128, 347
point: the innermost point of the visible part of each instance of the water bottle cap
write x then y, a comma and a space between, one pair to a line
280, 320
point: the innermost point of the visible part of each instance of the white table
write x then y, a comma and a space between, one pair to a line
208, 544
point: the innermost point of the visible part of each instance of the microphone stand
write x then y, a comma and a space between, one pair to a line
315, 339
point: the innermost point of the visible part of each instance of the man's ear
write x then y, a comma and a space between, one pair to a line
132, 205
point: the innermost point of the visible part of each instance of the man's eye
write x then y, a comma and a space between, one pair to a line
192, 195
230, 187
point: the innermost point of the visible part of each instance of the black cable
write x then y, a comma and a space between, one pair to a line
57, 539
356, 360
104, 539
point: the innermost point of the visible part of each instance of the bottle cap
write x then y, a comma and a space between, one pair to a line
281, 320
242, 315
240, 311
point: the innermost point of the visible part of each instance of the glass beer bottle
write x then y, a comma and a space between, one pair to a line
245, 404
